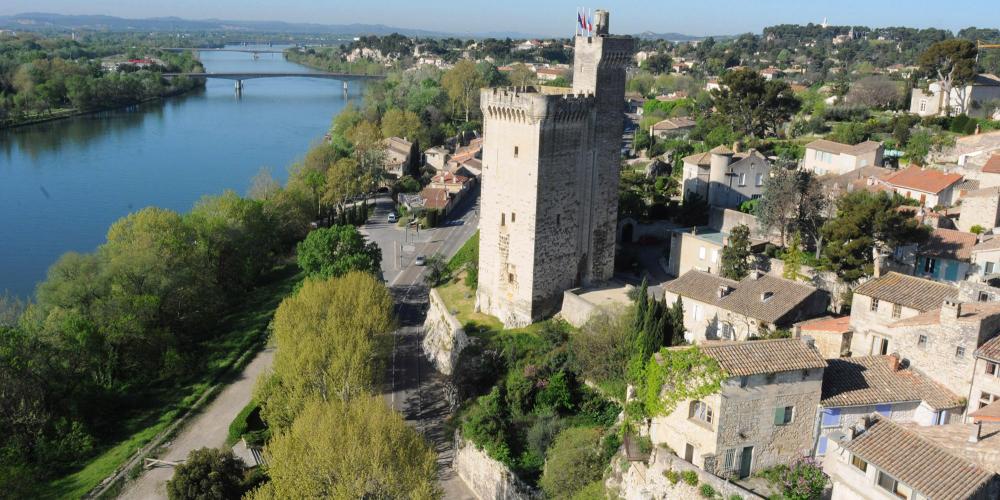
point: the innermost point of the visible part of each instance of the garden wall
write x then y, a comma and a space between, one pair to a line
487, 478
647, 481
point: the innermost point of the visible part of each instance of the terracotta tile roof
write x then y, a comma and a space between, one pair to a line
949, 244
449, 178
926, 180
910, 291
871, 380
674, 124
841, 148
983, 193
988, 413
990, 244
700, 159
721, 150
919, 463
827, 324
763, 356
972, 312
435, 197
990, 349
745, 297
954, 438
992, 165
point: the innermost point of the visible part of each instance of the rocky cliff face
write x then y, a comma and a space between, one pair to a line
444, 338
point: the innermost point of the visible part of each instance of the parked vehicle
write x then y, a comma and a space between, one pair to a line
392, 218
421, 260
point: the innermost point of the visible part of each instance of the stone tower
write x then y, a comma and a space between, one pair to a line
550, 183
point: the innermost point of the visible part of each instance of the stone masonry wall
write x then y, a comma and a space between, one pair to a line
444, 336
645, 481
487, 478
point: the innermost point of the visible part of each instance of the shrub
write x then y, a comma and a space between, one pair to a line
556, 395
707, 491
573, 462
486, 425
690, 477
977, 229
207, 473
734, 496
672, 476
803, 481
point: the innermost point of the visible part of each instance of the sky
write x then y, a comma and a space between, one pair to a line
548, 17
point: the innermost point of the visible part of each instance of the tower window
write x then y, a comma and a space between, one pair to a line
513, 217
558, 219
515, 151
503, 219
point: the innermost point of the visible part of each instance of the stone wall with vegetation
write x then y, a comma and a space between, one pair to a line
486, 477
669, 477
445, 338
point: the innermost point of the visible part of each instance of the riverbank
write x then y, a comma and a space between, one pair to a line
73, 112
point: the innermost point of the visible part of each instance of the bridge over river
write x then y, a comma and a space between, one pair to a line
239, 77
247, 50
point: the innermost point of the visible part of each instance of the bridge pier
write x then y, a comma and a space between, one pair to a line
345, 87
239, 87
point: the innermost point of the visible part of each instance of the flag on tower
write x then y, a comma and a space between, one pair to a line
579, 20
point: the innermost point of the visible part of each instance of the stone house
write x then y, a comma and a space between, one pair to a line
853, 388
887, 299
883, 460
397, 155
989, 176
697, 248
986, 376
980, 207
764, 414
723, 177
986, 260
942, 340
831, 335
717, 308
671, 127
973, 99
436, 157
928, 186
834, 158
945, 256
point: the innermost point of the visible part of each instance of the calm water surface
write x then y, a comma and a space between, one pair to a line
63, 183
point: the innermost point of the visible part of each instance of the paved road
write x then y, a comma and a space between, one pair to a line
413, 387
208, 428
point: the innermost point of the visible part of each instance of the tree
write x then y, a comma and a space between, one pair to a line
792, 201
754, 106
874, 92
462, 83
603, 346
207, 474
793, 259
736, 254
521, 75
332, 336
356, 449
369, 152
867, 223
263, 186
953, 63
573, 461
658, 63
337, 250
402, 123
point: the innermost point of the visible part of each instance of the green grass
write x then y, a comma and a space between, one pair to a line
468, 253
222, 360
461, 301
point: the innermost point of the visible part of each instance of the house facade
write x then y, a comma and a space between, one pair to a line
725, 178
833, 158
762, 416
986, 376
930, 187
698, 248
946, 255
887, 299
972, 99
980, 207
717, 308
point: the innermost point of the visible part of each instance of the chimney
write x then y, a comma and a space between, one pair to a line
809, 341
977, 431
894, 361
754, 275
950, 310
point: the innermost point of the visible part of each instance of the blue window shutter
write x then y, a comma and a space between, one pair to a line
883, 410
821, 447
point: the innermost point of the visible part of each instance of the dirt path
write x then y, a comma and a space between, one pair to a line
208, 428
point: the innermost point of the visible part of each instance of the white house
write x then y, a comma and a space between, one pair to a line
978, 98
829, 157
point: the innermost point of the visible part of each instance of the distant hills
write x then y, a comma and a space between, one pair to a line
677, 37
37, 21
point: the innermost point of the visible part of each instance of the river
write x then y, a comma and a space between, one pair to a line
63, 183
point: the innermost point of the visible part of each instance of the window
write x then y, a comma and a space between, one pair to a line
889, 483
992, 369
897, 311
930, 265
743, 179
986, 398
831, 417
874, 306
503, 219
756, 196
515, 151
821, 446
859, 464
701, 253
759, 181
697, 312
744, 381
984, 297
989, 267
700, 411
715, 256
513, 217
959, 352
922, 341
880, 346
510, 277
783, 415
558, 219
923, 105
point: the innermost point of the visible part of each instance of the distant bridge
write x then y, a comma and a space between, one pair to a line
239, 77
232, 49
